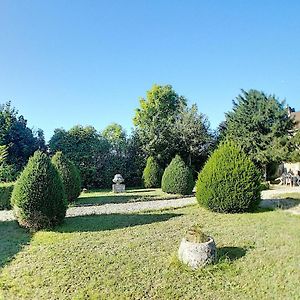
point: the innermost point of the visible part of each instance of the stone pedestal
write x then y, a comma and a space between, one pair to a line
118, 188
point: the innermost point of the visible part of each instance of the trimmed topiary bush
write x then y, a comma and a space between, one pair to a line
69, 176
38, 199
152, 173
5, 195
229, 181
177, 178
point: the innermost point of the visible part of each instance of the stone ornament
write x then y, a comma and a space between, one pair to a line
118, 187
197, 255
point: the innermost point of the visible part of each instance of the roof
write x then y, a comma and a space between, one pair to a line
296, 116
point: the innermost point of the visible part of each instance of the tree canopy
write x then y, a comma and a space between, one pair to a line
20, 140
260, 124
167, 126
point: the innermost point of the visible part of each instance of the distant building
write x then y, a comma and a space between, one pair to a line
294, 115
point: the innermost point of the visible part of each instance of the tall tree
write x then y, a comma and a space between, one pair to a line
154, 122
86, 148
19, 138
260, 124
192, 131
116, 136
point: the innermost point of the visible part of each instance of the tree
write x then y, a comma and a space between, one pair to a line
3, 154
229, 181
295, 144
116, 136
260, 124
152, 174
86, 148
38, 198
20, 140
193, 135
177, 178
154, 122
69, 175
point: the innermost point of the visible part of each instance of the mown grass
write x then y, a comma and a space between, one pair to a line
134, 257
98, 197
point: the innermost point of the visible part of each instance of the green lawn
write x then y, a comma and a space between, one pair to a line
294, 196
131, 195
134, 257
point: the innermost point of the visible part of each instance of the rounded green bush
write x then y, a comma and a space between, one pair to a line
69, 175
152, 173
229, 181
177, 178
38, 198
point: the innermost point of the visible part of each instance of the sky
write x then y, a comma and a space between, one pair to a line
64, 63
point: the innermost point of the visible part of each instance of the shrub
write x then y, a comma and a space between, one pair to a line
229, 181
152, 173
38, 199
177, 178
69, 175
5, 195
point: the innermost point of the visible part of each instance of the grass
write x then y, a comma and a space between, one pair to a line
98, 197
134, 257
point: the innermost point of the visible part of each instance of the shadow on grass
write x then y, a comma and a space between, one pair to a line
110, 199
231, 253
111, 221
140, 191
12, 239
279, 203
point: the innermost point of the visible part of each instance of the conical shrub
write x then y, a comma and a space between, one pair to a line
177, 178
69, 175
38, 198
152, 174
229, 181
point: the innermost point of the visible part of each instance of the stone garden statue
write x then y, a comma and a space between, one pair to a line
118, 187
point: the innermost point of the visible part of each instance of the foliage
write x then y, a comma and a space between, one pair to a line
229, 181
196, 235
116, 136
86, 148
99, 158
260, 124
5, 194
38, 198
154, 122
295, 143
152, 173
177, 178
3, 153
69, 175
166, 127
8, 173
21, 141
194, 139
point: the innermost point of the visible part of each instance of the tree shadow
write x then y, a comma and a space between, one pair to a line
110, 199
12, 240
231, 253
111, 221
140, 191
285, 203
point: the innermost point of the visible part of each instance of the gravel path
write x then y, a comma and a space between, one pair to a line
269, 201
7, 215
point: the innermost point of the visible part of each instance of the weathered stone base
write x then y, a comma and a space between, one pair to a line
197, 255
118, 188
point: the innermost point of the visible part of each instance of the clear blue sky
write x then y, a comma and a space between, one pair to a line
87, 62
